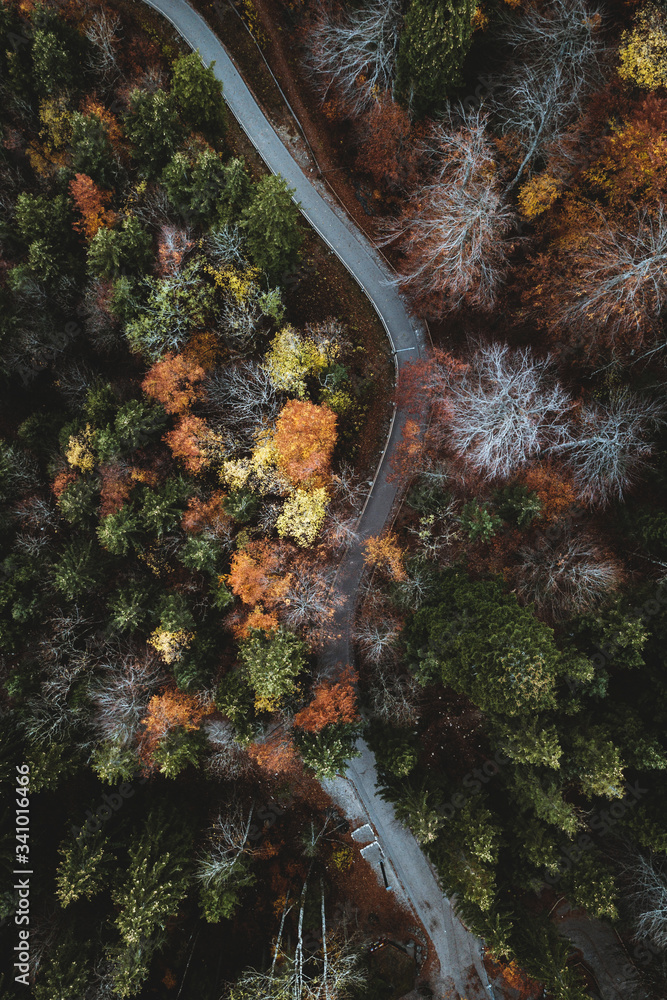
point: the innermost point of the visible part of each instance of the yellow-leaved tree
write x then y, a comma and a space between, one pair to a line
643, 50
293, 356
303, 515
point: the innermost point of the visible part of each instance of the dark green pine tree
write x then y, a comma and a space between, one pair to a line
434, 43
271, 224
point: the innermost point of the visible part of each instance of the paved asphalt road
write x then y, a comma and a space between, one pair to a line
458, 951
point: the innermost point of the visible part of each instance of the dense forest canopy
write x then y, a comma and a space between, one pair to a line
513, 158
173, 501
179, 477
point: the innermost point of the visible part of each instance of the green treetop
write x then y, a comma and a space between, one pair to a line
198, 95
435, 41
480, 641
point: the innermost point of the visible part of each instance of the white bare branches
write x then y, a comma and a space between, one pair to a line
566, 576
609, 446
504, 409
227, 758
649, 899
310, 601
377, 638
228, 842
102, 32
120, 696
621, 276
356, 51
453, 229
294, 982
394, 697
225, 246
248, 396
555, 60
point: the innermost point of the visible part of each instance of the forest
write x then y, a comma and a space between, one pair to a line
177, 467
510, 158
192, 405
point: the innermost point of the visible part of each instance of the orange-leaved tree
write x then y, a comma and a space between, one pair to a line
115, 488
385, 552
91, 201
555, 489
257, 619
257, 573
206, 515
276, 754
168, 710
333, 703
194, 442
304, 440
173, 382
389, 146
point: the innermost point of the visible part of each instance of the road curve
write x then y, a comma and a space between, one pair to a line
458, 951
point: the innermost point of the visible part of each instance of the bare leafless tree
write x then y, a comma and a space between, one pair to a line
555, 51
504, 408
609, 445
394, 696
71, 634
228, 840
225, 246
39, 517
120, 694
339, 530
102, 32
227, 758
453, 230
349, 489
332, 974
648, 897
620, 277
355, 51
153, 207
241, 319
246, 397
310, 600
567, 575
377, 636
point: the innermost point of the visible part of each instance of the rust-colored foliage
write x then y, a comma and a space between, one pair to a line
389, 146
257, 619
515, 977
91, 106
257, 573
385, 552
206, 515
168, 710
332, 703
276, 754
91, 202
62, 481
190, 441
173, 382
304, 440
408, 456
203, 349
555, 490
115, 488
633, 166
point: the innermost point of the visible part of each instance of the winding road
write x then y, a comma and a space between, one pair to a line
459, 953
